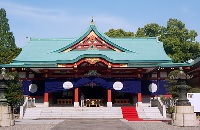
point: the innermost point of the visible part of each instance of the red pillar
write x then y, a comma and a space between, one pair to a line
46, 97
109, 96
139, 95
76, 95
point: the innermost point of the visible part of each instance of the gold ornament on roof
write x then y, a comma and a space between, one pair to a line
92, 60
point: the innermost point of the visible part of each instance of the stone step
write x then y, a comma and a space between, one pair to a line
149, 112
71, 112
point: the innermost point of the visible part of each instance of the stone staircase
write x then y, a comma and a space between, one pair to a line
72, 112
149, 113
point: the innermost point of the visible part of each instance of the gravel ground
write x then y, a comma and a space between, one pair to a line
29, 127
94, 124
157, 126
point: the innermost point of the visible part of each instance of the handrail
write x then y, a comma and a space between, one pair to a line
158, 103
162, 108
29, 102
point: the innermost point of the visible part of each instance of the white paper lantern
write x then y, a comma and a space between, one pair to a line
33, 88
67, 85
118, 85
153, 87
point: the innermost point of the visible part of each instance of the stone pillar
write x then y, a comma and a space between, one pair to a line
46, 99
185, 116
139, 99
6, 117
76, 101
109, 100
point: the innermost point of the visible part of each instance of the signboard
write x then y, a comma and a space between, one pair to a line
194, 100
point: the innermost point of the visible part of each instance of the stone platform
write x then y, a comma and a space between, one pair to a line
185, 116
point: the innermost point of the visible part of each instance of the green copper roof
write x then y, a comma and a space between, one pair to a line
135, 51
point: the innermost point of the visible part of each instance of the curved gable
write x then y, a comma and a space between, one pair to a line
92, 38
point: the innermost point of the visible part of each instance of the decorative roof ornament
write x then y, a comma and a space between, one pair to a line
92, 21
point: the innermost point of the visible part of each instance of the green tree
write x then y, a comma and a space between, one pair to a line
149, 30
14, 92
179, 42
194, 90
171, 85
8, 49
140, 33
119, 33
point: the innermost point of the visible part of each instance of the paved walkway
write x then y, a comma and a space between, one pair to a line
92, 124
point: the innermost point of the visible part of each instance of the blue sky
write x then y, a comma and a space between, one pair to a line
69, 18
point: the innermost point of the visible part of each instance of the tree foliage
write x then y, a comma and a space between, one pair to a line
171, 85
8, 49
140, 33
119, 33
14, 92
179, 42
149, 30
194, 90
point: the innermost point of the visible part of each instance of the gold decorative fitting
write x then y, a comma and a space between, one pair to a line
92, 33
67, 50
109, 65
92, 60
117, 50
123, 65
60, 65
92, 38
46, 71
81, 43
75, 65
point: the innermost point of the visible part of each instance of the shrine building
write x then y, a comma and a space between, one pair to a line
112, 71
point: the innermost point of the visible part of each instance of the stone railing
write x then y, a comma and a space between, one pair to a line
29, 102
158, 103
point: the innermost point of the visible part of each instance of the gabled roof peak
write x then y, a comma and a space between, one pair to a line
90, 33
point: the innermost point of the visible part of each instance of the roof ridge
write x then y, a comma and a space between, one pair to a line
50, 39
131, 38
